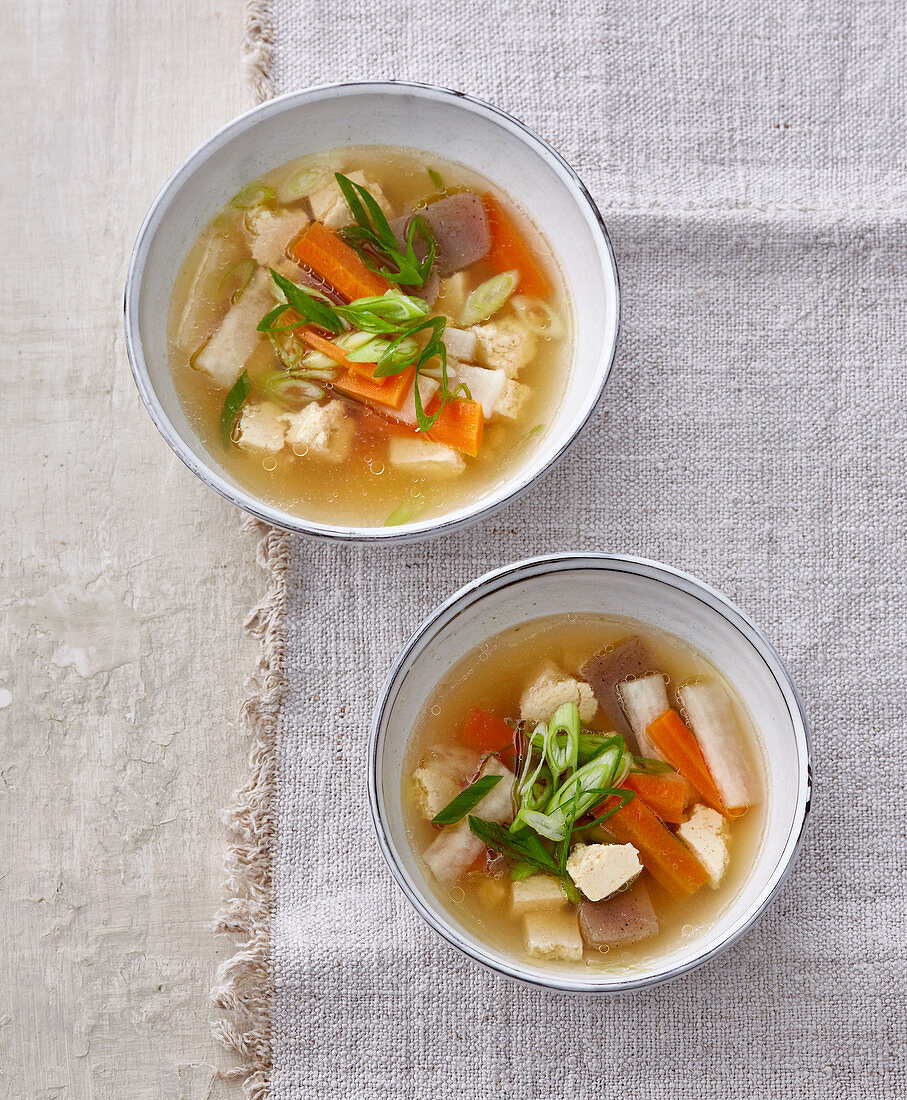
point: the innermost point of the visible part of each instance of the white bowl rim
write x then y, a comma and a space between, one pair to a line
520, 571
240, 497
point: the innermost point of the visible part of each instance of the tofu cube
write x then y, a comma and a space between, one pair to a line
460, 343
550, 689
497, 805
553, 936
330, 207
485, 386
538, 893
705, 834
261, 427
512, 400
600, 870
505, 345
452, 851
326, 430
433, 790
226, 353
421, 455
272, 233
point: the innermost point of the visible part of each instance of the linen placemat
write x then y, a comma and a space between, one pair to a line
750, 163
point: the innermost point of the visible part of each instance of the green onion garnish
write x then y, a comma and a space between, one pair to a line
650, 764
405, 512
436, 179
488, 297
523, 846
372, 234
235, 400
237, 279
466, 800
302, 183
256, 194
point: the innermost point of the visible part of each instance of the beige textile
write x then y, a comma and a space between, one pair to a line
749, 161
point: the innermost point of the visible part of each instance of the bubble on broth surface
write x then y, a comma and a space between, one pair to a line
269, 464
436, 710
300, 450
457, 894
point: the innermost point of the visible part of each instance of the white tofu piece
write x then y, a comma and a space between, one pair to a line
433, 790
272, 233
330, 207
553, 936
326, 430
452, 296
705, 834
428, 387
513, 400
600, 870
452, 851
485, 386
505, 345
497, 805
538, 893
226, 353
711, 716
550, 689
643, 701
261, 427
425, 456
460, 343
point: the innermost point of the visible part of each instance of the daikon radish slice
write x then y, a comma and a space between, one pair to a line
643, 701
711, 717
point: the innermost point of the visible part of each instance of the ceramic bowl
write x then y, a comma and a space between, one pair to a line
441, 122
636, 589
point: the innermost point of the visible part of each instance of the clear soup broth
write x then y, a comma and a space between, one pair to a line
336, 443
634, 916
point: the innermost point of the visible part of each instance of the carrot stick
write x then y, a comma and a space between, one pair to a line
665, 794
337, 263
486, 732
667, 860
680, 748
460, 426
332, 351
508, 251
390, 393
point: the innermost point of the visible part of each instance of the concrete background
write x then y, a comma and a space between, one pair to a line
124, 582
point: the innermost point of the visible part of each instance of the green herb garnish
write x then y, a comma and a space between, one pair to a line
235, 400
522, 847
436, 179
650, 764
313, 310
389, 364
372, 236
255, 194
466, 800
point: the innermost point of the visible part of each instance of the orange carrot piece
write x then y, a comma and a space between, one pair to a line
667, 860
676, 743
666, 793
333, 259
460, 426
332, 351
485, 732
390, 393
509, 250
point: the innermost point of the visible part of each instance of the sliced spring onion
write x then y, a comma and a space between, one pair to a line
650, 764
562, 740
466, 800
522, 870
255, 194
405, 512
581, 790
237, 279
303, 182
309, 307
437, 180
288, 391
373, 350
538, 316
234, 401
488, 297
460, 392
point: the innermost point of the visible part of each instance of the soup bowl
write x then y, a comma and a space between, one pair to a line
419, 117
630, 588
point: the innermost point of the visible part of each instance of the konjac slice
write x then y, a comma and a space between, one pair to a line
709, 712
625, 918
607, 669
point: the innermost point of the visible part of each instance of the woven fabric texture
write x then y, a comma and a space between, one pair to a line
750, 163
